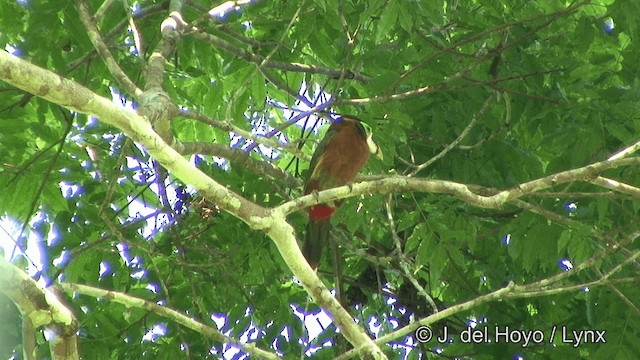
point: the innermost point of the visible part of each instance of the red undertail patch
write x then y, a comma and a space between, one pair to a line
321, 212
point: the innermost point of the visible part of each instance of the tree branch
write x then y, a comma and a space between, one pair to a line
274, 64
241, 158
460, 137
626, 151
100, 46
604, 182
40, 307
170, 30
227, 126
450, 311
511, 291
67, 93
73, 96
147, 11
283, 236
468, 193
223, 9
197, 326
404, 262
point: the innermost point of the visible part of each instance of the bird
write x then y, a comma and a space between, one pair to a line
336, 161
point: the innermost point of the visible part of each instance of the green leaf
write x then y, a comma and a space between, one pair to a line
388, 19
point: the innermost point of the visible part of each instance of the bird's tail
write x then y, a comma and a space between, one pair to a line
316, 238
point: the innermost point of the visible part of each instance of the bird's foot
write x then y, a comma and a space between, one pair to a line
315, 195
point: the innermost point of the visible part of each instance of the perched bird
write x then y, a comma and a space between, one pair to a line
338, 158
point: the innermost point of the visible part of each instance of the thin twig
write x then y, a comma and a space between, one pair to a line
404, 262
168, 313
274, 64
454, 143
227, 126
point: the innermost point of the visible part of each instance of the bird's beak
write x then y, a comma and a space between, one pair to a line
374, 148
379, 155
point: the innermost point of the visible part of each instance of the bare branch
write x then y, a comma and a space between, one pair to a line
450, 311
147, 11
468, 193
103, 9
76, 97
197, 326
411, 93
505, 123
285, 33
454, 143
294, 119
283, 236
632, 191
387, 98
404, 262
170, 29
626, 151
511, 291
241, 158
100, 46
137, 38
619, 293
282, 86
227, 126
29, 344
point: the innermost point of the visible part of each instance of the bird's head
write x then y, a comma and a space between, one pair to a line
368, 133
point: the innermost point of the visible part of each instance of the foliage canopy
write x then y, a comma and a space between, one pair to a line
500, 191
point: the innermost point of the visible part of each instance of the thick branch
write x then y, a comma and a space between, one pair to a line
73, 96
468, 193
170, 29
40, 307
69, 94
632, 191
283, 235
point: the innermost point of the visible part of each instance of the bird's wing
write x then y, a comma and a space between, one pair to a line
317, 154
